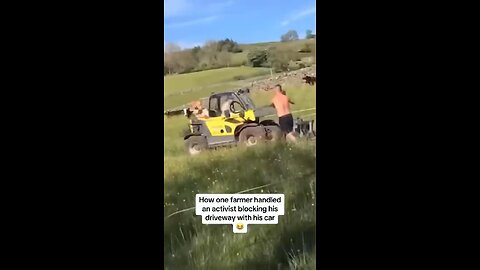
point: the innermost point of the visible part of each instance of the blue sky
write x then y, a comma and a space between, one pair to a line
192, 22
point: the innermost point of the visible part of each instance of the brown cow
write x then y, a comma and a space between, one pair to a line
309, 79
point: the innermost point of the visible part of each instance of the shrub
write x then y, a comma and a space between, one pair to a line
290, 35
257, 58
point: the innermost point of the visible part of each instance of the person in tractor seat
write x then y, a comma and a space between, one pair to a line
198, 110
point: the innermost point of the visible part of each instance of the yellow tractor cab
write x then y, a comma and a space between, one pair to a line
232, 118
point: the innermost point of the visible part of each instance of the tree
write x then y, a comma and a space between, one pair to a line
280, 59
228, 45
171, 47
257, 58
196, 53
170, 60
290, 35
186, 61
224, 59
209, 53
309, 34
171, 64
217, 53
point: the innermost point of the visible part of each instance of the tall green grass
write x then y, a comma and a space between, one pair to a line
287, 169
284, 168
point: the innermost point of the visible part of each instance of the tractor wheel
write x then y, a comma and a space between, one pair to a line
274, 133
196, 144
251, 136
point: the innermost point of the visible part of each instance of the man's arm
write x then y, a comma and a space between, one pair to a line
271, 105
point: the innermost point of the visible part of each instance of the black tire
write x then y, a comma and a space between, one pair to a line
274, 133
251, 136
196, 144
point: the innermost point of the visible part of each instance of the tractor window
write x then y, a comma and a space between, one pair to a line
213, 107
225, 98
216, 102
237, 107
247, 101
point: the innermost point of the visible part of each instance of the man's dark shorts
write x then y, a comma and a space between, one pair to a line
286, 123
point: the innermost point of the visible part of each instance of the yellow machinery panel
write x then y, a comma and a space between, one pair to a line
221, 126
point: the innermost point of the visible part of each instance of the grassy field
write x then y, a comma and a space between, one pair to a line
188, 244
241, 58
293, 45
183, 88
175, 83
274, 168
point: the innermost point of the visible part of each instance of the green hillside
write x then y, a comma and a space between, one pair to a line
215, 55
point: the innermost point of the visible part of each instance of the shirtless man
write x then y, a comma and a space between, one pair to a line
282, 105
289, 101
198, 110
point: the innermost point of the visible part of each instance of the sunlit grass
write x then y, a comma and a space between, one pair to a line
284, 168
180, 82
289, 169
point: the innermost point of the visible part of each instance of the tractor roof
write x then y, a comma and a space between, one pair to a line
238, 92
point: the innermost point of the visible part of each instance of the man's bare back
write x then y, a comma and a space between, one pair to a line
281, 104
